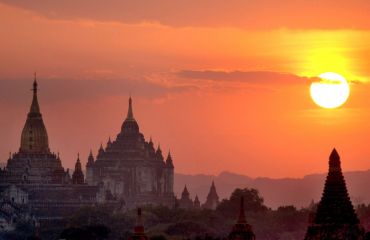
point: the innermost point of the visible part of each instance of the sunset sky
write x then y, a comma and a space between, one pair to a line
223, 84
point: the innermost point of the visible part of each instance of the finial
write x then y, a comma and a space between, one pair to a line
130, 114
34, 84
35, 108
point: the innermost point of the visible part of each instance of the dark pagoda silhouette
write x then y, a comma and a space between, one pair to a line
242, 230
139, 231
335, 217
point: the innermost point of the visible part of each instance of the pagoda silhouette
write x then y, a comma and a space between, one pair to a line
241, 230
335, 217
139, 231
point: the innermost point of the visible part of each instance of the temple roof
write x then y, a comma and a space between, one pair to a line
185, 193
130, 125
212, 192
34, 135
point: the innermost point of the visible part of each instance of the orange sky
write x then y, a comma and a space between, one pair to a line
224, 85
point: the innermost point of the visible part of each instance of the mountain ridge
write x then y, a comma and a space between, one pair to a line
275, 191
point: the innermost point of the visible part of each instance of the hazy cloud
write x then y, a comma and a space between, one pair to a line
243, 76
56, 90
252, 14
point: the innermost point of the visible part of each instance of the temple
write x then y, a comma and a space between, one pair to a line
185, 201
131, 169
34, 163
335, 217
211, 202
35, 185
241, 230
212, 198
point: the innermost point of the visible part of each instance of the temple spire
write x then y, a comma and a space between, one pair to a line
78, 176
242, 230
212, 198
130, 114
241, 218
169, 161
35, 108
139, 231
34, 137
130, 125
334, 161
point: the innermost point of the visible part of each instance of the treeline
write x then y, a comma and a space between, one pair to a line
287, 222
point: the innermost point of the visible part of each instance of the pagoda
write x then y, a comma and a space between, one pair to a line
185, 200
212, 198
242, 230
335, 217
139, 231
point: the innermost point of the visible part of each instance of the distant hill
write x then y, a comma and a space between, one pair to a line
276, 192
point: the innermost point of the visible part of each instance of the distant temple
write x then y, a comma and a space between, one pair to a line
187, 203
34, 184
335, 217
78, 176
212, 198
242, 230
196, 202
131, 169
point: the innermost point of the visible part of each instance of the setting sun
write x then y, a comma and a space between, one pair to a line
331, 91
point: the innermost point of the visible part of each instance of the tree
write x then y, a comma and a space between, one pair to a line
253, 202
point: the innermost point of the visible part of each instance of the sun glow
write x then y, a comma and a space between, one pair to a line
331, 91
